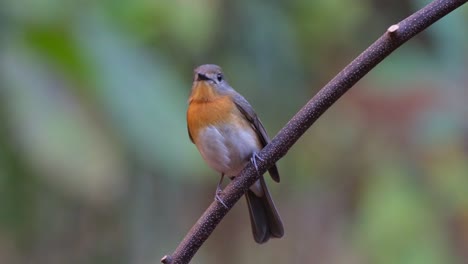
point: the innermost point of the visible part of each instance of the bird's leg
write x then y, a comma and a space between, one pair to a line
253, 159
219, 191
218, 187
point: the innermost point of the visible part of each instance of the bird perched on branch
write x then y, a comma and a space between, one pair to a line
228, 134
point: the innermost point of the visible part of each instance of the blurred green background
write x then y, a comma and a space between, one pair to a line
96, 165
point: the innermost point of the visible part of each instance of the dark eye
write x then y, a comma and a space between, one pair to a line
219, 77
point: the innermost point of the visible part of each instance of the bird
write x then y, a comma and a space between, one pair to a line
228, 134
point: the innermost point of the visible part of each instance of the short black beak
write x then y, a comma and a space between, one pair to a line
202, 77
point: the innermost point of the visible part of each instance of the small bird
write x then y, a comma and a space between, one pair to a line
228, 134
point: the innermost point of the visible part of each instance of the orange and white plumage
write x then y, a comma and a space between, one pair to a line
227, 133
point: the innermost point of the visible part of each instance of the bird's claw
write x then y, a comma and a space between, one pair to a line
218, 198
253, 159
220, 191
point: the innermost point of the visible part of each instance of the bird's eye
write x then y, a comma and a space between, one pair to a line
219, 77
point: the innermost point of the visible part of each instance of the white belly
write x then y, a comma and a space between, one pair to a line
227, 150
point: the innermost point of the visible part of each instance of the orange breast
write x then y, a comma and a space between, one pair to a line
201, 114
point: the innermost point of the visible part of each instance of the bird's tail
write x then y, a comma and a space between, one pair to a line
264, 217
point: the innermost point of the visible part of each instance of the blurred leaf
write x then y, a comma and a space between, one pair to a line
17, 195
396, 221
143, 96
55, 45
447, 171
58, 137
39, 12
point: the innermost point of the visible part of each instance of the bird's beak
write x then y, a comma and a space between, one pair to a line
202, 77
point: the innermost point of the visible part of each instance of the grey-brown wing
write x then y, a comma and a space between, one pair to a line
246, 109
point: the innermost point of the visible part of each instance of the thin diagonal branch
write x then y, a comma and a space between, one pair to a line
395, 36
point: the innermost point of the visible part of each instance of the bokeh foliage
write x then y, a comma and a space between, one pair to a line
96, 165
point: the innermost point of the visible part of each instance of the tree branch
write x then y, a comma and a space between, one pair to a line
395, 36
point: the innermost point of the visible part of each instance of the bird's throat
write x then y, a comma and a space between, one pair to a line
203, 92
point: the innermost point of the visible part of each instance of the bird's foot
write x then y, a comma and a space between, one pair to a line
218, 198
253, 159
220, 191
